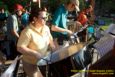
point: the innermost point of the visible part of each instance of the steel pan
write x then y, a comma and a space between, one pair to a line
61, 62
61, 54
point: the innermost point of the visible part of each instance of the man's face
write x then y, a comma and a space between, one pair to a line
71, 7
42, 17
2, 10
19, 12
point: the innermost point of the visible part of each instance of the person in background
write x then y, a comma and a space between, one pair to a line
82, 17
3, 17
25, 18
34, 42
13, 29
3, 14
83, 20
3, 30
90, 14
59, 26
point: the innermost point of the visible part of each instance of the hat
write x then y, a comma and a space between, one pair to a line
18, 7
76, 2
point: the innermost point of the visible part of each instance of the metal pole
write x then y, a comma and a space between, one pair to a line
39, 3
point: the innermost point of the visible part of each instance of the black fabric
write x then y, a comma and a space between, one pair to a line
62, 38
87, 57
16, 69
13, 51
82, 35
83, 58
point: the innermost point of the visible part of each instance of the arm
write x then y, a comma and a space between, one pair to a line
23, 45
27, 51
14, 32
12, 28
58, 29
57, 19
51, 43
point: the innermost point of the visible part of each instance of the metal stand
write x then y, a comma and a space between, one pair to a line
48, 73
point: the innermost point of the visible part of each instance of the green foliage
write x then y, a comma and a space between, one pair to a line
108, 21
102, 6
110, 4
2, 5
82, 4
10, 3
53, 4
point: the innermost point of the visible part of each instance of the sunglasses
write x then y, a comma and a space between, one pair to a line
44, 18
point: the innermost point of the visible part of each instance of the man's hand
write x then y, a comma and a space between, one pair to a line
69, 32
38, 56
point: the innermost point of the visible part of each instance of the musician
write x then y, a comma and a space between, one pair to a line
34, 41
59, 26
84, 20
13, 30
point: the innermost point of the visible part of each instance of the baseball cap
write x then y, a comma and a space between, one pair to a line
18, 7
76, 2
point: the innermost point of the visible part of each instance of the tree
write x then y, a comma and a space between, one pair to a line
104, 6
10, 3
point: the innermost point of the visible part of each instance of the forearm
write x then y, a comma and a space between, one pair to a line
15, 33
28, 51
52, 45
58, 29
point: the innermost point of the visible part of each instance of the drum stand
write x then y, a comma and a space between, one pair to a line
48, 73
47, 70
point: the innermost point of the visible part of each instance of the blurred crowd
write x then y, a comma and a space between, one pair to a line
11, 24
32, 33
14, 21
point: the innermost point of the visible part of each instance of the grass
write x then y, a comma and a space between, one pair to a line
108, 21
104, 27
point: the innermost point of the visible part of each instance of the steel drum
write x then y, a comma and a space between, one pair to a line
61, 62
61, 54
